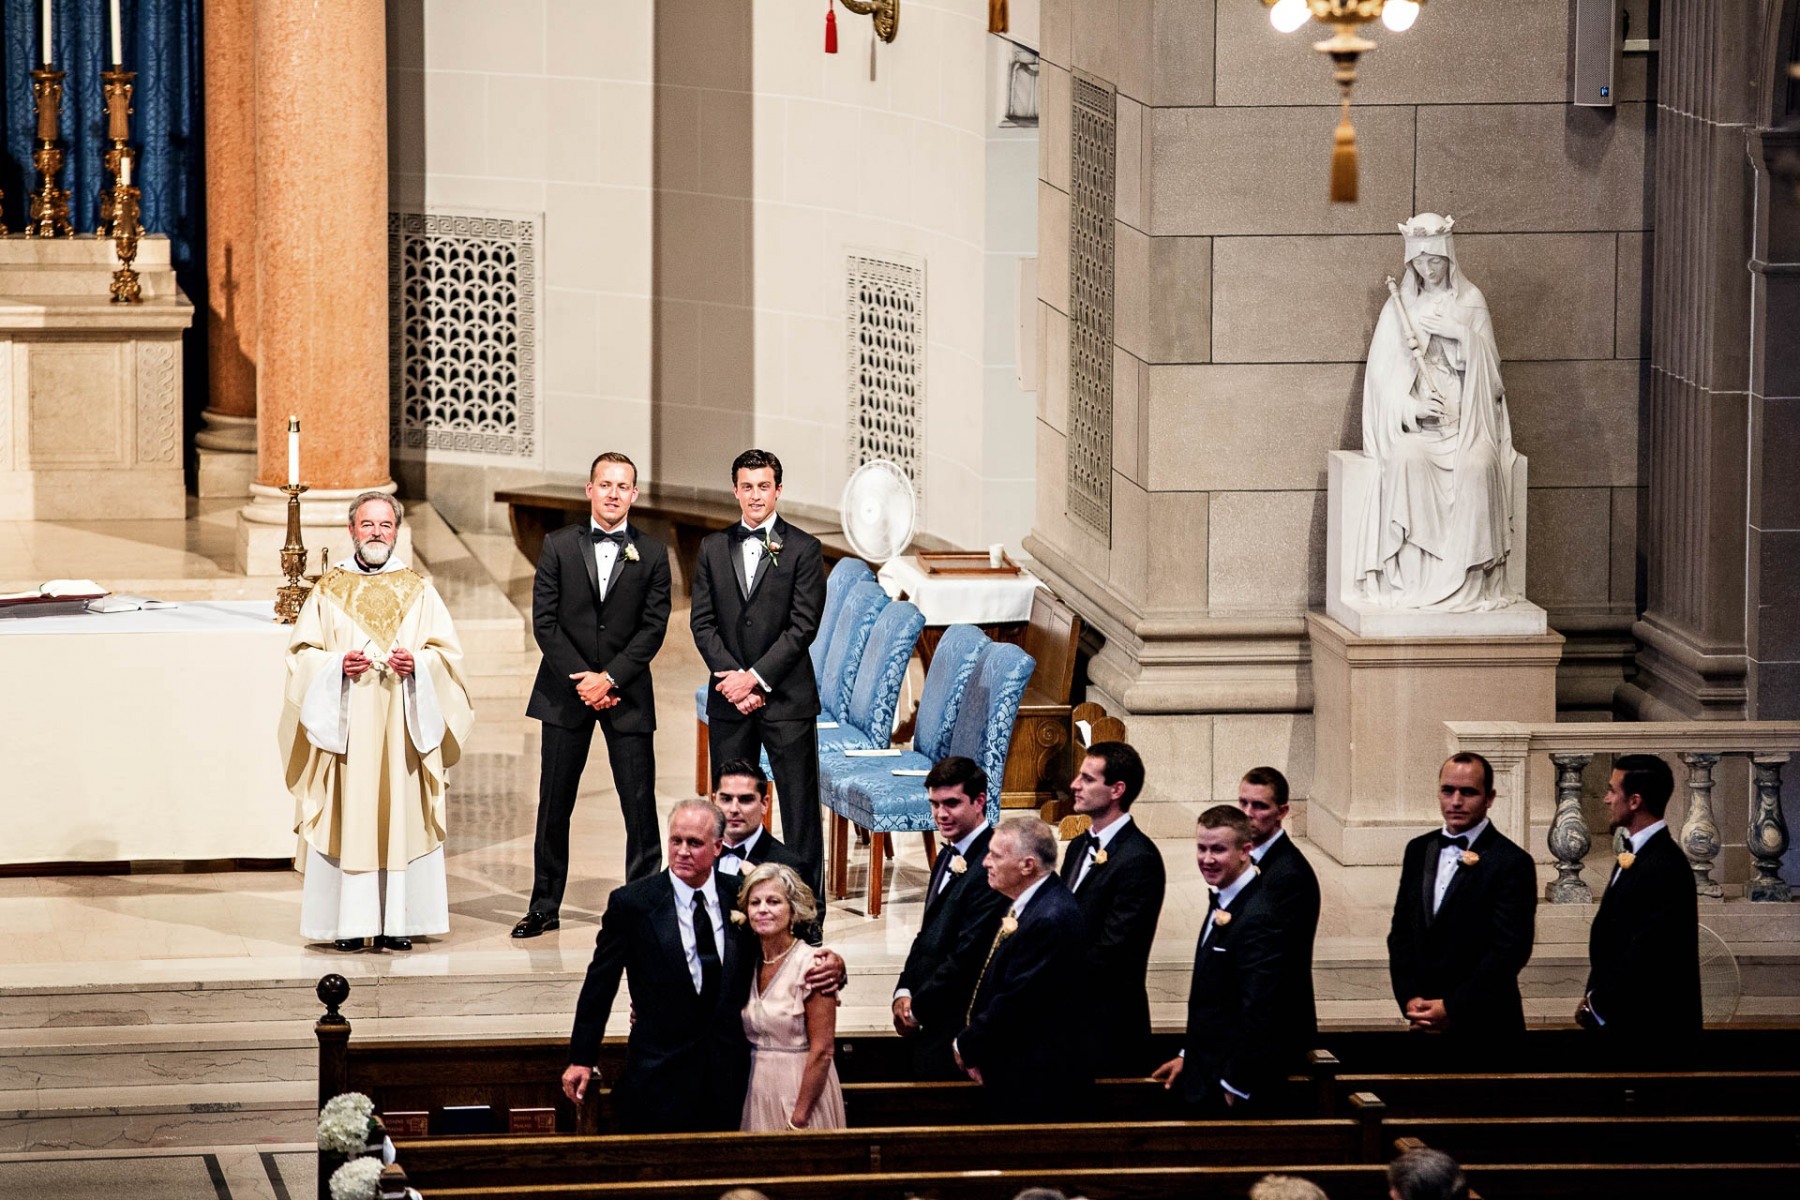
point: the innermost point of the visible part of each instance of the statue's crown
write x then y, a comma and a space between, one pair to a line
1427, 225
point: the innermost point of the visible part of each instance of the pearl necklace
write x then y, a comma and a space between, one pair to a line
769, 962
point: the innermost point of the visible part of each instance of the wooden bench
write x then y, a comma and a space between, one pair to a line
1668, 1139
1576, 1093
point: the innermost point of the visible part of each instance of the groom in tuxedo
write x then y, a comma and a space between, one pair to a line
759, 589
599, 610
689, 968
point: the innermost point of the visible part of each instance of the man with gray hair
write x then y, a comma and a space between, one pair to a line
375, 714
1033, 982
1426, 1174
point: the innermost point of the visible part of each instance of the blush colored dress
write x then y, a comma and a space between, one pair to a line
775, 1023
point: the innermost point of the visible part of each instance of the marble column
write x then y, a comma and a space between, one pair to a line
321, 255
227, 443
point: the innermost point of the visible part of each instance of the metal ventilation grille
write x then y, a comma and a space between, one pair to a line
462, 321
886, 319
1093, 122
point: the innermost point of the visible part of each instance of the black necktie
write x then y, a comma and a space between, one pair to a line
616, 537
938, 870
706, 949
1460, 841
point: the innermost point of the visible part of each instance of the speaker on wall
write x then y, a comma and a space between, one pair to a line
1595, 39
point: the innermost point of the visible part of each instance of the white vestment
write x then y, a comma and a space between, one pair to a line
367, 758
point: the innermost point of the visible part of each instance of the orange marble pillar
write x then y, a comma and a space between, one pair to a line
227, 443
321, 255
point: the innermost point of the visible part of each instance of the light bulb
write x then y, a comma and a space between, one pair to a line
1289, 15
1399, 15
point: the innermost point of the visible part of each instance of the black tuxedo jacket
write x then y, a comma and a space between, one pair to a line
770, 849
1120, 901
1643, 947
952, 943
577, 631
686, 1064
1470, 954
1033, 987
768, 628
1233, 1023
1294, 896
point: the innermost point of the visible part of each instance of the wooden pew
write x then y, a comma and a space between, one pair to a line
1574, 1094
1604, 1139
1534, 1181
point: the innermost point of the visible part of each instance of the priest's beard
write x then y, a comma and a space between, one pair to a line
373, 553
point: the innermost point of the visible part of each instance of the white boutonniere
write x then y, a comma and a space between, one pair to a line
772, 548
1469, 858
958, 864
1221, 918
631, 554
1626, 858
1009, 925
737, 918
1099, 858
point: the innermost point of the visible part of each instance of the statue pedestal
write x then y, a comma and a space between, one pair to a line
1379, 706
90, 391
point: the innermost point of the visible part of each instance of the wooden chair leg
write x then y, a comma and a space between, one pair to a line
702, 764
887, 846
931, 851
769, 812
878, 852
840, 856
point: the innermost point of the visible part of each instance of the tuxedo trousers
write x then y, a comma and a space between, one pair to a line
632, 757
793, 748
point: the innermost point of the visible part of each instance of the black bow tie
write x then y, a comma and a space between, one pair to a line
738, 851
616, 537
1460, 841
741, 531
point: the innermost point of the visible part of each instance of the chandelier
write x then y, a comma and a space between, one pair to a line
1344, 47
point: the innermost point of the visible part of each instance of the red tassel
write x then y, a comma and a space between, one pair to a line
831, 31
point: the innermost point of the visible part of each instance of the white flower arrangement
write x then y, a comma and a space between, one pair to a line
344, 1123
358, 1179
631, 554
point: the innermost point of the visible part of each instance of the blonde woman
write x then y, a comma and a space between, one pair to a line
792, 1029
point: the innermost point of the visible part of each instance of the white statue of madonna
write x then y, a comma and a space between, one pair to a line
1426, 512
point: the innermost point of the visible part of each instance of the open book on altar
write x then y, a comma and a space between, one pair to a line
58, 597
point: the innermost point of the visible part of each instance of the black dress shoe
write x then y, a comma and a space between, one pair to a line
536, 923
347, 944
394, 943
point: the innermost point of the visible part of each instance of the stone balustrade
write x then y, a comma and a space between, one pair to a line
1518, 751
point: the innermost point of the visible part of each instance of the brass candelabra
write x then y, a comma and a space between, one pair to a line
292, 594
125, 234
50, 203
121, 204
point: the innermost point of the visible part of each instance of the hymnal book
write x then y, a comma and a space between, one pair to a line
531, 1120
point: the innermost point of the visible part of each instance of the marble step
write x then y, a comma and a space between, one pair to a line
216, 1113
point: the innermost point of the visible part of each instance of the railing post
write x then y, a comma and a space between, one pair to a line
1700, 832
1569, 840
333, 1032
1768, 838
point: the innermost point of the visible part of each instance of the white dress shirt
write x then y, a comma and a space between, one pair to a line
1257, 852
605, 553
1226, 895
732, 864
1103, 839
1450, 861
684, 916
753, 548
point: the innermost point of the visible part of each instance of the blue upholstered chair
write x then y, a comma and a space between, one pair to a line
866, 792
849, 637
846, 574
867, 721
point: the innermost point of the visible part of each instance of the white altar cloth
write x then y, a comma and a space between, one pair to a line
143, 735
965, 600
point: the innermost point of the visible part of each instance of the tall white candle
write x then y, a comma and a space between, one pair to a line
125, 169
294, 451
117, 36
46, 32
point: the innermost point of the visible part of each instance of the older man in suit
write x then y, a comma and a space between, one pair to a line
1643, 948
599, 610
1234, 1044
1463, 921
759, 590
1033, 981
689, 969
1293, 891
1117, 878
962, 914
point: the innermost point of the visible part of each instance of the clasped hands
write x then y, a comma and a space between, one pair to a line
1428, 1015
740, 690
399, 660
595, 689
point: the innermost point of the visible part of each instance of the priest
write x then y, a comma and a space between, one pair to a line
375, 714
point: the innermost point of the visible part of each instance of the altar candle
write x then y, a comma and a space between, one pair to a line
294, 451
46, 32
117, 57
125, 169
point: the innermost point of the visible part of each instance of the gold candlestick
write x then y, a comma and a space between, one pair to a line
50, 203
117, 87
125, 234
292, 594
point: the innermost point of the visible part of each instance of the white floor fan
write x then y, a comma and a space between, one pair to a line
880, 511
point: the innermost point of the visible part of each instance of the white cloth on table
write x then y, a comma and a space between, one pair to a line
960, 600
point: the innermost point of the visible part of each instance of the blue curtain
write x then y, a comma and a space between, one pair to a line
162, 44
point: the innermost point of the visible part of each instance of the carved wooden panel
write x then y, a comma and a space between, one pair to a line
1093, 123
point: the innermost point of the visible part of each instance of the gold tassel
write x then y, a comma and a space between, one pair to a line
997, 16
1343, 159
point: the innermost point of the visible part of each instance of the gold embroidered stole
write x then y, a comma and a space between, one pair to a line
377, 603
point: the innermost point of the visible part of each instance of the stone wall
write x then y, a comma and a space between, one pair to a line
1243, 305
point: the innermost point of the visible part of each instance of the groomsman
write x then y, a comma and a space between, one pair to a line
1464, 918
742, 794
759, 589
1235, 1044
1293, 892
1643, 948
599, 610
1117, 878
962, 914
1033, 980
